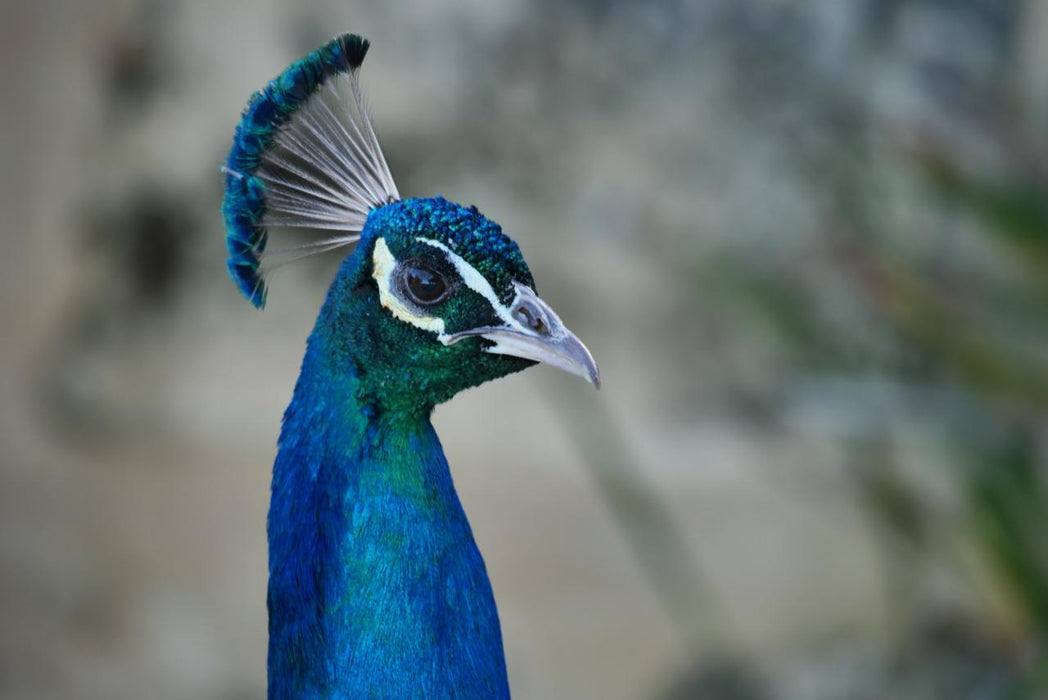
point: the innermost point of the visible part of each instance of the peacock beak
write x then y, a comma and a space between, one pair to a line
535, 332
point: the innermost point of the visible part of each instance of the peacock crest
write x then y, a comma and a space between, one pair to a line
305, 155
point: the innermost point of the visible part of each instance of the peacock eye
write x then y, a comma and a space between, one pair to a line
425, 286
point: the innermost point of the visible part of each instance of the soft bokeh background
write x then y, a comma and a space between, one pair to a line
807, 242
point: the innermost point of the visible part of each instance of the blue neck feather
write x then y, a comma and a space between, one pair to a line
376, 588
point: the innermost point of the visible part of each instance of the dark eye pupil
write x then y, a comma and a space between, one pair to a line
424, 285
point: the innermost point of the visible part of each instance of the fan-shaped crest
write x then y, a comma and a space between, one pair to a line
304, 155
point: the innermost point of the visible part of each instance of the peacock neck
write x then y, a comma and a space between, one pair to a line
377, 588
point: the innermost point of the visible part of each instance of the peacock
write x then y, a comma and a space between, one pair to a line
377, 588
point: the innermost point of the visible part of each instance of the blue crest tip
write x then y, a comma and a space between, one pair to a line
244, 205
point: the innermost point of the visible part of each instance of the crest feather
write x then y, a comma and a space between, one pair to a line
304, 155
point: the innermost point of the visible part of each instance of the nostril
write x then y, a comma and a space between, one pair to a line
524, 315
531, 318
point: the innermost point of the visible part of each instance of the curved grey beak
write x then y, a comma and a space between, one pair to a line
535, 332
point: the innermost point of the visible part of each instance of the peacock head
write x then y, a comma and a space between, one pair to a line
434, 298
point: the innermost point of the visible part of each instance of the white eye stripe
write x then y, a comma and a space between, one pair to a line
475, 281
384, 266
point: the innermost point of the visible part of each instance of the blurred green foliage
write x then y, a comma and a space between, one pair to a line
961, 337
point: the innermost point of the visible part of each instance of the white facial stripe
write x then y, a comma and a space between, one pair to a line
477, 282
383, 264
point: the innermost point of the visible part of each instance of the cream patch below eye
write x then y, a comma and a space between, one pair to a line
383, 265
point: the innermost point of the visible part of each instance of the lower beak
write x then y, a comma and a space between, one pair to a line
538, 334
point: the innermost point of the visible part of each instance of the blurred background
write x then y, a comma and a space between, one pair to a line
807, 242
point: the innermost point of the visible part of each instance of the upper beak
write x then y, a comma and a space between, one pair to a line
538, 334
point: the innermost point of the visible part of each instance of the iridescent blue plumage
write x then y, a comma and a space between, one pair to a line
376, 586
